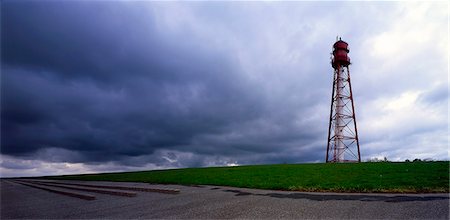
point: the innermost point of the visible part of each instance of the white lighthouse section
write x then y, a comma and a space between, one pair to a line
339, 127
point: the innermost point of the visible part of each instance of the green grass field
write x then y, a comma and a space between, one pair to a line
346, 177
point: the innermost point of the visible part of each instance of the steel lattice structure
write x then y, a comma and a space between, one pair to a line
343, 143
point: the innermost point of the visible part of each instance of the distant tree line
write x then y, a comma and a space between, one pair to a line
375, 159
419, 160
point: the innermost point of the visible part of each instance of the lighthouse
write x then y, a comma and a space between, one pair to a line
343, 142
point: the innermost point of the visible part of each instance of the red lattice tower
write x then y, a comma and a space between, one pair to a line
343, 143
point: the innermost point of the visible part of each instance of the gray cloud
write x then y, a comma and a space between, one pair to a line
123, 86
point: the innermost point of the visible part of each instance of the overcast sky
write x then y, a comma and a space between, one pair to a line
94, 86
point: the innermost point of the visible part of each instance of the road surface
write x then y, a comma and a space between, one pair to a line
216, 202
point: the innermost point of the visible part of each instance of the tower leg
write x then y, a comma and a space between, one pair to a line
331, 119
354, 115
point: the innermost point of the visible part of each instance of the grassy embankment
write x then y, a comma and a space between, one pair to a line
358, 177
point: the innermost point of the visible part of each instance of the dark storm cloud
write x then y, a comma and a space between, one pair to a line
103, 81
115, 86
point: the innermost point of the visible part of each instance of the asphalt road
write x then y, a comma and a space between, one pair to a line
211, 202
